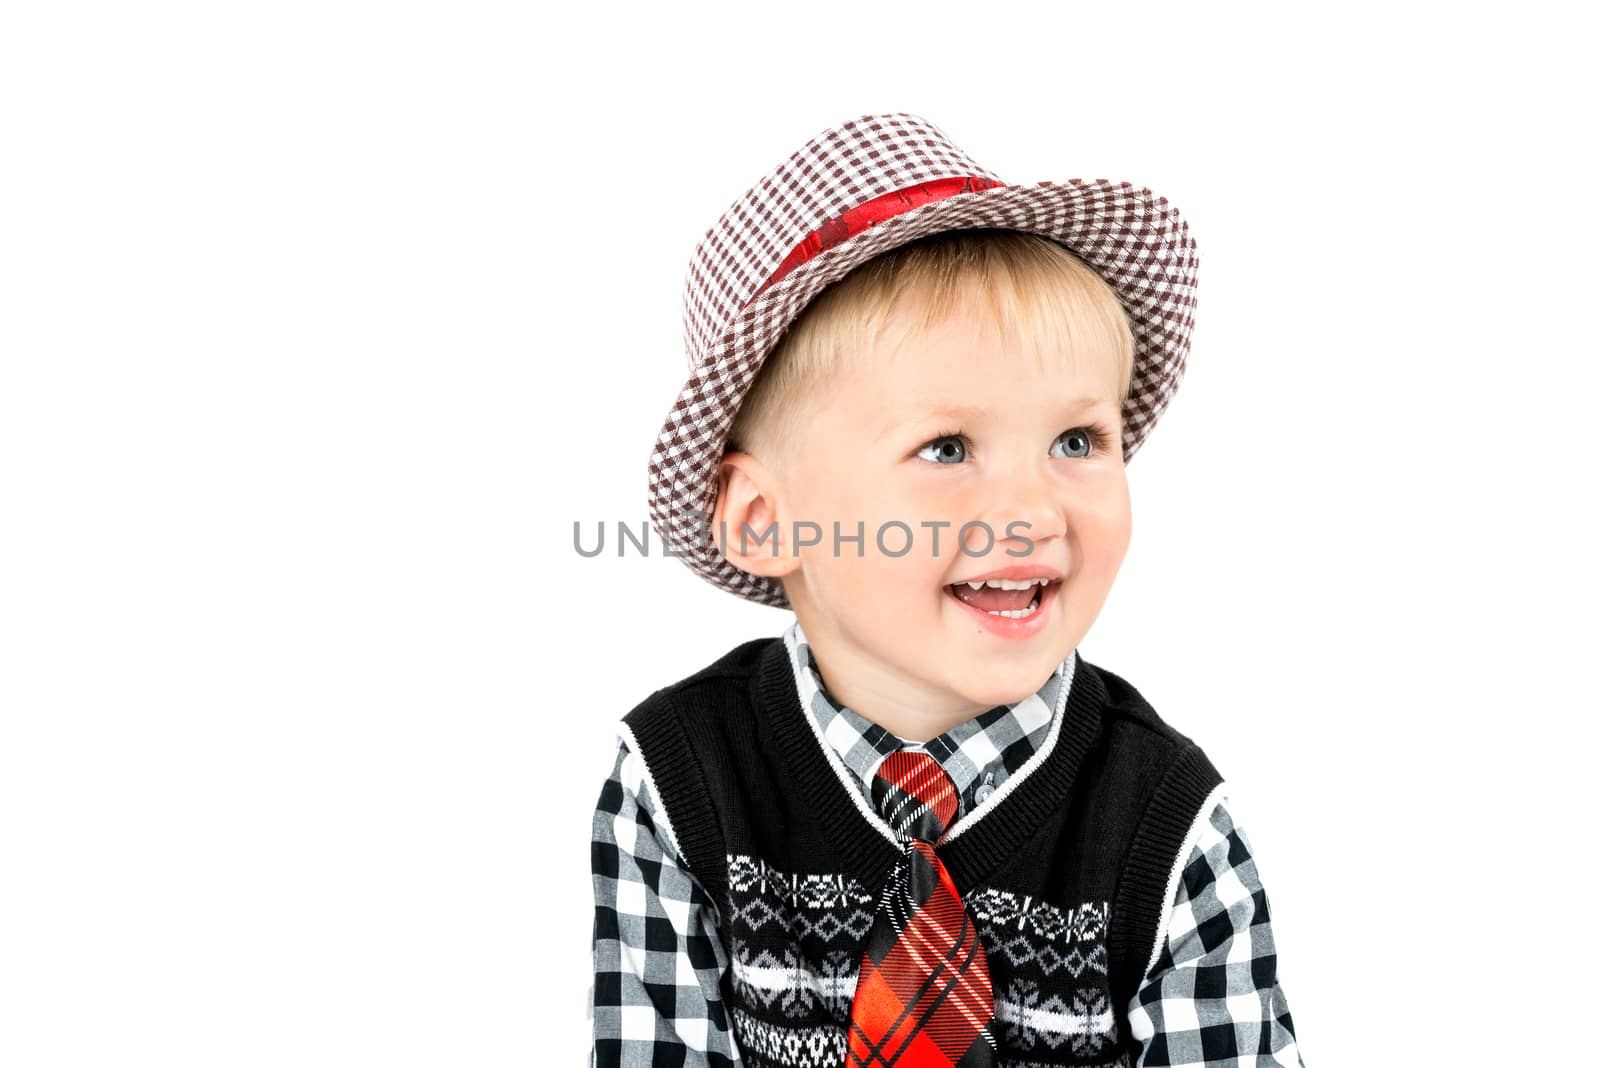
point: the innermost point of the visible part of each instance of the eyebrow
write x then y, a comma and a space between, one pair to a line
971, 411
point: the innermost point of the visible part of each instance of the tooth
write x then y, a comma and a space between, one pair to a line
1016, 614
1007, 584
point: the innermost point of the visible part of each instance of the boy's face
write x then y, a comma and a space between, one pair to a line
887, 630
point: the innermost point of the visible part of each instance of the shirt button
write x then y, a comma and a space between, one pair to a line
983, 793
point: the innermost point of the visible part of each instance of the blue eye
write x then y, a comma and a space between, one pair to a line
948, 448
1083, 441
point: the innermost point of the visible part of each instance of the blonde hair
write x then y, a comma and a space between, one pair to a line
1027, 282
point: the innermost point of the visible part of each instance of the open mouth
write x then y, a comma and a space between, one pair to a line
1004, 600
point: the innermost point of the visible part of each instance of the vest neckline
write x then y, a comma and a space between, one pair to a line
972, 856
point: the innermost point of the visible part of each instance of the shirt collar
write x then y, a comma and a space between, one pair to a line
977, 753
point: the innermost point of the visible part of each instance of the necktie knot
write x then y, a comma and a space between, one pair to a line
914, 795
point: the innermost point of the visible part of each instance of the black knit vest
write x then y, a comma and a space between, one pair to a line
1066, 876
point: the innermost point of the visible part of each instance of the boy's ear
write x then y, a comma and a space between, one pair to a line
747, 520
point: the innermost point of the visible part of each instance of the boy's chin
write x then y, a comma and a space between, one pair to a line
992, 672
1005, 686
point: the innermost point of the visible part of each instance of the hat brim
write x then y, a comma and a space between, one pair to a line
1135, 239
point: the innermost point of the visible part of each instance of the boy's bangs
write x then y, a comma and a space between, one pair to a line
1028, 286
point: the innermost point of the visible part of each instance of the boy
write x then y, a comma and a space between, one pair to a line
918, 827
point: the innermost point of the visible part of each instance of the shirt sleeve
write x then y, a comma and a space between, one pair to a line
1212, 995
655, 998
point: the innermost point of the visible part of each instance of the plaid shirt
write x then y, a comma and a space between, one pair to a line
1210, 997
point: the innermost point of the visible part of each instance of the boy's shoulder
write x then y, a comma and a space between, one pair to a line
730, 671
1126, 708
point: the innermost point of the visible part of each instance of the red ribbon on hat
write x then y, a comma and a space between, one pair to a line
871, 213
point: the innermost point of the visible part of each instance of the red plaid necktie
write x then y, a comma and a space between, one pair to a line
923, 997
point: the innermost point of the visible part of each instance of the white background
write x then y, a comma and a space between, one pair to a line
322, 323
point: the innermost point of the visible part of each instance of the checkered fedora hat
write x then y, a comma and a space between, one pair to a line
850, 193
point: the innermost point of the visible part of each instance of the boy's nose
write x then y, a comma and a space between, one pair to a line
1022, 508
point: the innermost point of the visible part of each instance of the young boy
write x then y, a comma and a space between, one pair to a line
918, 827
